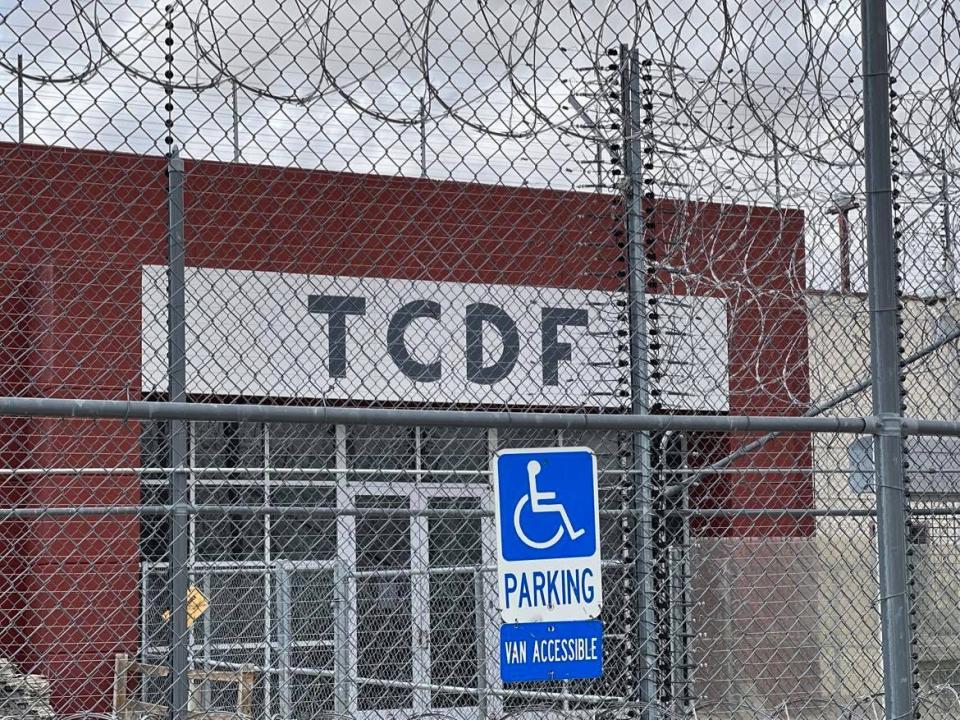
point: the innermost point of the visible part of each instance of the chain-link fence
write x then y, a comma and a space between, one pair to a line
278, 281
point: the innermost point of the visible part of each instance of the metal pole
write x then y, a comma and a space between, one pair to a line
776, 169
341, 634
236, 121
948, 286
841, 207
423, 137
481, 629
179, 577
633, 135
335, 415
20, 107
682, 634
844, 230
885, 367
949, 262
284, 641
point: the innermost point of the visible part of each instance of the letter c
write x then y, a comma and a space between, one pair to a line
396, 346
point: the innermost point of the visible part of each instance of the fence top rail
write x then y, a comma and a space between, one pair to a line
327, 415
333, 415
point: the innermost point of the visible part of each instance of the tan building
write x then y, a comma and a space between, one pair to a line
789, 626
848, 628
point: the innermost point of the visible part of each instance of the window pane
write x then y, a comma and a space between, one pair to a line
156, 588
312, 608
154, 529
384, 622
455, 545
154, 447
235, 619
455, 540
301, 537
383, 539
311, 693
229, 536
228, 444
461, 449
301, 445
382, 449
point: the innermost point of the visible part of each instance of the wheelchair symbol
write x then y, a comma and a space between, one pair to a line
535, 499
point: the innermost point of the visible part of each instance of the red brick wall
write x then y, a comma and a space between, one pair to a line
78, 225
753, 257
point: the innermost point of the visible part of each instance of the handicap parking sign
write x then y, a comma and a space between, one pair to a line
548, 534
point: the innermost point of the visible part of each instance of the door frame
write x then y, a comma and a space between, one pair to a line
419, 494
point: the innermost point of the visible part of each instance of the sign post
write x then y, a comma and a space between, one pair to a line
548, 564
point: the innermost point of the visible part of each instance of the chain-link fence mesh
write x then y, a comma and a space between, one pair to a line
371, 244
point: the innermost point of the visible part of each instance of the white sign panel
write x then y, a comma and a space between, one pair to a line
548, 534
372, 339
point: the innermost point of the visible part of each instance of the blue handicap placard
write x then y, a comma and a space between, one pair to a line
549, 499
551, 651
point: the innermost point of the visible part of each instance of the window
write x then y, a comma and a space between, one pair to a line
399, 515
454, 454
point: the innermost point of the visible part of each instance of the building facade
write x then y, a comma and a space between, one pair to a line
358, 290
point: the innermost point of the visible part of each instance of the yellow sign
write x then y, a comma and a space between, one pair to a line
197, 605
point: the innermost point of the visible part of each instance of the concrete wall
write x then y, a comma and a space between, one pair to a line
789, 627
849, 623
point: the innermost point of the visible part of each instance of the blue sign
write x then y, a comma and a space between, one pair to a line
552, 506
551, 651
548, 534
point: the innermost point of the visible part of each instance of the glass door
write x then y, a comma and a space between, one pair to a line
421, 590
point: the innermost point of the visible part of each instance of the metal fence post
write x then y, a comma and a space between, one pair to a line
885, 366
639, 391
480, 622
284, 622
179, 660
423, 136
341, 638
235, 106
21, 120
